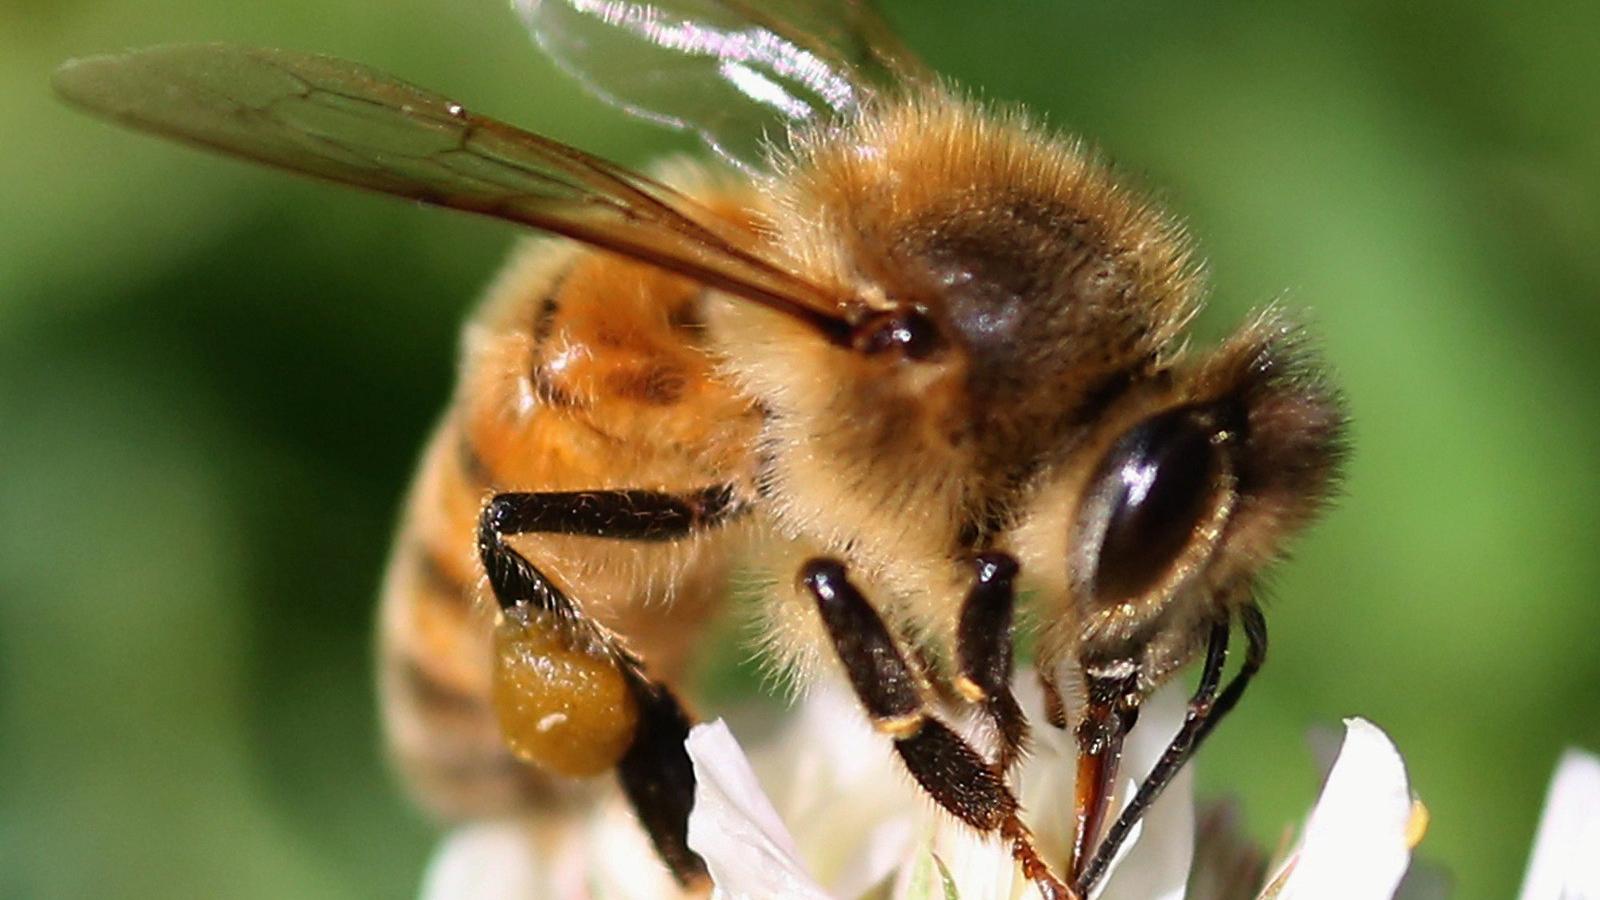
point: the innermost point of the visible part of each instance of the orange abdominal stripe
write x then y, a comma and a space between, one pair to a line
567, 711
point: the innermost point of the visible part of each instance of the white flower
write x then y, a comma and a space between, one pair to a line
1565, 864
848, 819
1357, 842
603, 855
823, 809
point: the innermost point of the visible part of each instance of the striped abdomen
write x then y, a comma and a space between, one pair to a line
583, 371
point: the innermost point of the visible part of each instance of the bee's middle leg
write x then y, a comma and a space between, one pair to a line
952, 772
984, 652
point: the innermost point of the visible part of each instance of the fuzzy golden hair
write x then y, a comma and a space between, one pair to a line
1061, 286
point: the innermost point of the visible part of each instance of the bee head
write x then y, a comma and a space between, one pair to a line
1191, 485
1146, 541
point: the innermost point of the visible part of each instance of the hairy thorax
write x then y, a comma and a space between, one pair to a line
1054, 289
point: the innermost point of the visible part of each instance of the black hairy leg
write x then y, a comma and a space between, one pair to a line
949, 769
984, 656
655, 771
1205, 709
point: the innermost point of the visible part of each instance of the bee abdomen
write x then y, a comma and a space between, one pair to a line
434, 655
576, 377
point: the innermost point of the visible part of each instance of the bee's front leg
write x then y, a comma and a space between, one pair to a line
570, 698
1206, 709
953, 773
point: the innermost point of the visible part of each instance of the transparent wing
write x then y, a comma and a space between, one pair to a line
739, 73
347, 123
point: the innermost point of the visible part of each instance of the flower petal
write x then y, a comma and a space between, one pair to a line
1566, 850
979, 866
1154, 862
750, 853
1355, 847
487, 861
843, 793
611, 835
567, 859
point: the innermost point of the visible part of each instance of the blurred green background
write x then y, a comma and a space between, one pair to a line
213, 381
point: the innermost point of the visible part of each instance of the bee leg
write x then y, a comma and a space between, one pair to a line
954, 774
658, 778
1255, 653
622, 514
1206, 709
984, 652
654, 770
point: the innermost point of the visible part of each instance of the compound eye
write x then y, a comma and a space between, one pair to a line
1156, 485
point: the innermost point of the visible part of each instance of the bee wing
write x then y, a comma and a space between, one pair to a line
351, 124
739, 73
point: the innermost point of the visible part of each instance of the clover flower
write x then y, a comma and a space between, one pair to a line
821, 810
852, 823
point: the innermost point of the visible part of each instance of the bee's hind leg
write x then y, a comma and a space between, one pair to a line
629, 720
953, 773
658, 778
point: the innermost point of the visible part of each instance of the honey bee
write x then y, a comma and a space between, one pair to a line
915, 348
